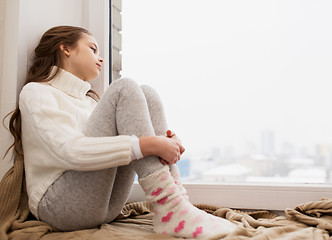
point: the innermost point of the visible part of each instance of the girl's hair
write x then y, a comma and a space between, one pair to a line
46, 55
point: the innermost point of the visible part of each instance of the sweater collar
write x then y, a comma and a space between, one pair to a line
70, 84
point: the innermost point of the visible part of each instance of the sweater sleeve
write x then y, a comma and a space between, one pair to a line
57, 132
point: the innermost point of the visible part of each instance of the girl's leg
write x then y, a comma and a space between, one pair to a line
174, 214
122, 185
79, 200
156, 110
158, 120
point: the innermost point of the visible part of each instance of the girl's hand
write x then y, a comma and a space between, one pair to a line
162, 146
171, 151
173, 136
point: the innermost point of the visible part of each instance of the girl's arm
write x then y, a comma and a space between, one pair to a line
52, 136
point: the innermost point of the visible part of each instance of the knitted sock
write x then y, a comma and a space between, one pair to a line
176, 216
174, 169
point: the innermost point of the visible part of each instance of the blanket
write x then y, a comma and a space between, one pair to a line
311, 220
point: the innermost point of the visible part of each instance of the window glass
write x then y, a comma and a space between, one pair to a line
247, 85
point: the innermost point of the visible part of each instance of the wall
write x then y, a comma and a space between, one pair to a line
9, 61
22, 23
2, 18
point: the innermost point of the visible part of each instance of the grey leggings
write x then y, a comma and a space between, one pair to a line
81, 200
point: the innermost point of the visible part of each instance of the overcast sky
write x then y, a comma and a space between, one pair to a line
228, 70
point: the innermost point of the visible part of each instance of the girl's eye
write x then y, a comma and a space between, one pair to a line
94, 50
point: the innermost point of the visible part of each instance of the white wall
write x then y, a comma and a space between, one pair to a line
22, 22
2, 17
9, 60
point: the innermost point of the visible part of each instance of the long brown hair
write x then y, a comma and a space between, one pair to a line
46, 55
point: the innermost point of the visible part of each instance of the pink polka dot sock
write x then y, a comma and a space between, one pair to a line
174, 214
177, 179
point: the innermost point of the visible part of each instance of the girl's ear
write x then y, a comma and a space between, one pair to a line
65, 50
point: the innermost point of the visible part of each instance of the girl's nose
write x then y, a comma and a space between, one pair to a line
101, 60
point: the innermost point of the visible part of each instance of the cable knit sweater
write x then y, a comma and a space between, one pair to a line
53, 115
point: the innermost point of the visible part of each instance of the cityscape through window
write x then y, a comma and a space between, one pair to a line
247, 85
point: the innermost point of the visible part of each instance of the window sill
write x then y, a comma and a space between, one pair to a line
276, 197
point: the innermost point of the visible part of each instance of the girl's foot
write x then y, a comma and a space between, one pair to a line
174, 214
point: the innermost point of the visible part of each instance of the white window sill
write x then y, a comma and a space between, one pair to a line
276, 197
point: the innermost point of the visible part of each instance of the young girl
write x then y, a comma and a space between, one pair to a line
81, 155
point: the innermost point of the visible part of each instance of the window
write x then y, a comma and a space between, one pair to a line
246, 84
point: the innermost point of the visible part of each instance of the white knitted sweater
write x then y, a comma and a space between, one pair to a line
53, 115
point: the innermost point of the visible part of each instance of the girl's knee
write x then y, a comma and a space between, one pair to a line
150, 93
123, 87
148, 89
126, 83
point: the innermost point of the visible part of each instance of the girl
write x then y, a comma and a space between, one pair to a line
81, 156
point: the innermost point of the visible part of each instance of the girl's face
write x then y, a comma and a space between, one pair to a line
83, 61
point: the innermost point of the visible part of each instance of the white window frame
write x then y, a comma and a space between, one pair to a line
276, 197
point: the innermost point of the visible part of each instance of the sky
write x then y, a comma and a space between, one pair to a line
229, 70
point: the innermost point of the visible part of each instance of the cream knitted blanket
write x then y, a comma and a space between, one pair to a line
307, 221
